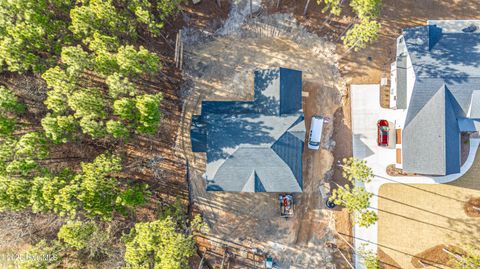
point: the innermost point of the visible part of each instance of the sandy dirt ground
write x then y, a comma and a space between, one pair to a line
414, 218
221, 68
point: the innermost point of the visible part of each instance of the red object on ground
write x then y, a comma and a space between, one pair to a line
383, 128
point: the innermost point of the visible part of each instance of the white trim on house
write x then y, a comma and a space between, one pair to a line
393, 85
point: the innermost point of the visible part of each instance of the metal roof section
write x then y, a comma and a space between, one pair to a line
277, 91
468, 125
256, 146
198, 134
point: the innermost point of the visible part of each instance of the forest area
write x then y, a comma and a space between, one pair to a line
89, 103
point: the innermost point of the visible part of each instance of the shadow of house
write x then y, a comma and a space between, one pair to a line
255, 146
444, 96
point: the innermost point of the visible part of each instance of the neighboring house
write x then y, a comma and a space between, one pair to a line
436, 80
255, 146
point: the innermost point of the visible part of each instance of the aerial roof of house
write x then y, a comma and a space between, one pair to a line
446, 96
255, 146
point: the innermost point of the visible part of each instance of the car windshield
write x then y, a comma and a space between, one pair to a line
314, 143
384, 128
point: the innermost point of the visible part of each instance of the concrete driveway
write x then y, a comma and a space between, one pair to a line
366, 111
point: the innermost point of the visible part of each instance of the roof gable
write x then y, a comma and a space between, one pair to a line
431, 138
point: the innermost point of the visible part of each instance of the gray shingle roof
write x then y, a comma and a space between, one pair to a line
447, 70
452, 56
474, 108
255, 146
431, 138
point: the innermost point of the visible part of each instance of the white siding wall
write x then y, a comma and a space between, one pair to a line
410, 79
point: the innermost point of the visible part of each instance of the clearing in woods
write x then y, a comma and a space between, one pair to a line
220, 68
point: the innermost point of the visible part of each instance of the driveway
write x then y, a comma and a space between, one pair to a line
366, 111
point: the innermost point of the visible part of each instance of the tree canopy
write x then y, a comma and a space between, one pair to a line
31, 33
10, 108
93, 56
356, 169
19, 155
77, 234
363, 32
356, 200
369, 258
93, 192
92, 107
47, 255
158, 245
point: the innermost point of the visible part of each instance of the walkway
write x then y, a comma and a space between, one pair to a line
366, 111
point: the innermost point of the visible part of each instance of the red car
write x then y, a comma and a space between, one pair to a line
383, 128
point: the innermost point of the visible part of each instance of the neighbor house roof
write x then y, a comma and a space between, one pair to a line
255, 146
447, 87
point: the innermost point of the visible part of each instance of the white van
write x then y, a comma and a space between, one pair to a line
316, 127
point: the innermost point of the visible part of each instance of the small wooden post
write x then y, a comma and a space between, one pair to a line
456, 256
345, 258
223, 258
177, 40
423, 264
200, 266
251, 9
181, 53
306, 8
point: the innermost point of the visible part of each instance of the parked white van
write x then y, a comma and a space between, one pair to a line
316, 128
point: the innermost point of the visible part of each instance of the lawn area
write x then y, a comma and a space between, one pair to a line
415, 218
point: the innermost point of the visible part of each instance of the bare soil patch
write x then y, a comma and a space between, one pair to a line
472, 207
386, 261
221, 68
342, 135
397, 172
435, 256
206, 15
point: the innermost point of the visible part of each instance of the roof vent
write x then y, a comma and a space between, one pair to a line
470, 29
